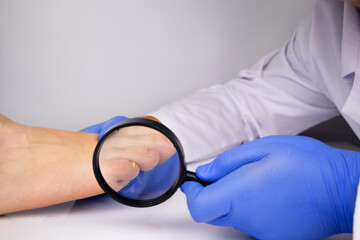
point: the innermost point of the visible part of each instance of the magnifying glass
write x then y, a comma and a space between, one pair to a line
148, 188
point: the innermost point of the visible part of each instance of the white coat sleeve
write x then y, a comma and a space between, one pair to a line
276, 96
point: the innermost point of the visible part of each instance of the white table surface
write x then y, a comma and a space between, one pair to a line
102, 218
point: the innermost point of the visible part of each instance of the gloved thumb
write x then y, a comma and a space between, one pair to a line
229, 161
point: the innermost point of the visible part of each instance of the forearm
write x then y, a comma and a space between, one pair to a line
41, 167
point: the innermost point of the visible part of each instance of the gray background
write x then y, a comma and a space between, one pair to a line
71, 63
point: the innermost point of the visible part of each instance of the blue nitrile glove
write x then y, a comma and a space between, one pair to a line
149, 184
279, 187
154, 183
102, 128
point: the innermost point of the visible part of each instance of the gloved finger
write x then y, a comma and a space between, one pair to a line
110, 123
93, 129
232, 194
231, 160
206, 203
102, 128
221, 222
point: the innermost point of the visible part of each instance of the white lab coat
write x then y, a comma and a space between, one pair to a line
314, 77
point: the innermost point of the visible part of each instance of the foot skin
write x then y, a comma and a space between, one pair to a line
41, 167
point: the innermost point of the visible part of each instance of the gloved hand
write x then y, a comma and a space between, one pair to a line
154, 183
278, 187
116, 179
153, 178
102, 128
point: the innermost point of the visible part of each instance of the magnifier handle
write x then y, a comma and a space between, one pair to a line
191, 176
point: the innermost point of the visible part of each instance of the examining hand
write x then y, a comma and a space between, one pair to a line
154, 183
102, 128
279, 187
129, 150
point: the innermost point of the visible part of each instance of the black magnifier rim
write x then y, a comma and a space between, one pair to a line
134, 202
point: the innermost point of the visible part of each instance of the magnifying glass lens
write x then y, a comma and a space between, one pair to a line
139, 163
154, 183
